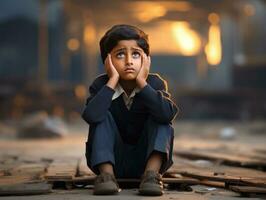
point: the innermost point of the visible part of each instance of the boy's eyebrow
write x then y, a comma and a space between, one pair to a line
119, 50
135, 48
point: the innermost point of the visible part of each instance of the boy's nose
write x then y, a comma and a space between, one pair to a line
129, 60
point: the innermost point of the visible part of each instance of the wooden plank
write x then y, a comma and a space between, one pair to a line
35, 169
90, 180
217, 184
25, 189
259, 181
248, 189
223, 158
62, 170
18, 179
220, 173
196, 181
22, 173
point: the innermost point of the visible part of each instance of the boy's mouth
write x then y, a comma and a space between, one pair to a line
129, 70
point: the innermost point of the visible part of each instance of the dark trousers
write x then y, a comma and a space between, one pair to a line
129, 161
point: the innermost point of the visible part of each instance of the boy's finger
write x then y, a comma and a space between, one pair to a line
147, 63
144, 59
110, 59
106, 60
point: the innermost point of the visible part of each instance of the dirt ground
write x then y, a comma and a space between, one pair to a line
187, 134
130, 194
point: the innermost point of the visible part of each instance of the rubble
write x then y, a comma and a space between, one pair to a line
40, 125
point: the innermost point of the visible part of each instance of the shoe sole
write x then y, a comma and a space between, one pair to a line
151, 190
106, 189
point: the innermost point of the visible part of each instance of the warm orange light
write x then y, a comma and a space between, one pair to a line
213, 48
186, 39
181, 6
73, 44
89, 34
80, 92
146, 11
214, 18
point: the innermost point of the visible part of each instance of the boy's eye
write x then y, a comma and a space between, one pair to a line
120, 55
135, 54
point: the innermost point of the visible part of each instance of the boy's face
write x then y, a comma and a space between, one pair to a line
126, 58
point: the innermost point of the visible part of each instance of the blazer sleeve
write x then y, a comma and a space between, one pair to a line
158, 101
98, 103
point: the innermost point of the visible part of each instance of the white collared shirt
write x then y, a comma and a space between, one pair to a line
127, 99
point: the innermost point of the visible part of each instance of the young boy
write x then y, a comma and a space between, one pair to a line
130, 113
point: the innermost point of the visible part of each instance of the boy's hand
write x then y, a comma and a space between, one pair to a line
111, 72
144, 71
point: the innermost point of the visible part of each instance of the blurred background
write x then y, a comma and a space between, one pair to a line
211, 52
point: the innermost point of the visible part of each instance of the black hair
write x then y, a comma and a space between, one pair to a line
123, 32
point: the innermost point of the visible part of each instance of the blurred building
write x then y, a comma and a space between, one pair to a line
211, 52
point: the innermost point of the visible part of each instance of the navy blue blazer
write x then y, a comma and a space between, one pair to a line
151, 101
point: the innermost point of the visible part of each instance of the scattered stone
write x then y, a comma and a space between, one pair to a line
40, 125
227, 133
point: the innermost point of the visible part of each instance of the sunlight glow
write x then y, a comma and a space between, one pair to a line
213, 49
187, 40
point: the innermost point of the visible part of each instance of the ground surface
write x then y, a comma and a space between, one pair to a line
188, 134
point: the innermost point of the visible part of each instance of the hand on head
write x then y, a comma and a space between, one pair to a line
111, 72
144, 70
140, 77
110, 69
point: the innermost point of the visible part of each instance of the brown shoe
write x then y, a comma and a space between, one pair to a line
105, 184
151, 184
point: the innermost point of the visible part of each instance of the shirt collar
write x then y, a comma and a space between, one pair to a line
119, 90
